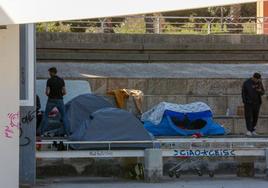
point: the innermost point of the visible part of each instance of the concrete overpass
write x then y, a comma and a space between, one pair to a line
12, 51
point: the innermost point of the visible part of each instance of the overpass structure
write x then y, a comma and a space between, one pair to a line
13, 51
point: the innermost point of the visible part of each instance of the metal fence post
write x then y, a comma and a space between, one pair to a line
102, 25
158, 25
46, 27
209, 28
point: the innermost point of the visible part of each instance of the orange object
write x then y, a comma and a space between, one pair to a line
121, 95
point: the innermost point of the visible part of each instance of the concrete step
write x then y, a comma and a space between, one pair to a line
156, 71
219, 104
237, 124
220, 92
148, 57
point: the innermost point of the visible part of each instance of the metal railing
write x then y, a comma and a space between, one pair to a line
162, 25
211, 147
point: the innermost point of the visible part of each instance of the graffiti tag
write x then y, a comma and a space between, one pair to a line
13, 124
205, 152
28, 118
100, 153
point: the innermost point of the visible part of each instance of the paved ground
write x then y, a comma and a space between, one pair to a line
184, 182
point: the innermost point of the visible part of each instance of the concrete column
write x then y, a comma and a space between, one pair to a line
246, 167
153, 165
9, 110
266, 156
27, 167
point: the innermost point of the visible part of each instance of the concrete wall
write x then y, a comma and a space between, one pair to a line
219, 93
172, 68
9, 110
152, 48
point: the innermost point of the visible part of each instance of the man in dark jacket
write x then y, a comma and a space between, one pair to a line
252, 92
55, 91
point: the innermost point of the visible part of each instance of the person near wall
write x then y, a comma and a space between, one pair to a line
38, 114
55, 90
252, 92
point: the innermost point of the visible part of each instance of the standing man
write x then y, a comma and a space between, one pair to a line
55, 90
252, 92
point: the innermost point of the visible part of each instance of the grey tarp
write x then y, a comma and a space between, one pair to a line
80, 108
112, 124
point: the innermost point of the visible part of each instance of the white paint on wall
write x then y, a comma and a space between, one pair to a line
9, 103
30, 72
32, 11
74, 88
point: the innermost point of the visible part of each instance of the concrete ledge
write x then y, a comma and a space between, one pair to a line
114, 56
157, 71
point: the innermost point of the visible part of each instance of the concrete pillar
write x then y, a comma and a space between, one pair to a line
153, 165
246, 167
262, 11
266, 157
27, 166
9, 110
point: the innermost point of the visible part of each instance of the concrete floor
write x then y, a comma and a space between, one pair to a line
184, 182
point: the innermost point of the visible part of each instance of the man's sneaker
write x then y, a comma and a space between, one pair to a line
254, 133
249, 133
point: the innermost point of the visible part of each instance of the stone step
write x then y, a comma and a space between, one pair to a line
219, 104
237, 125
208, 77
148, 57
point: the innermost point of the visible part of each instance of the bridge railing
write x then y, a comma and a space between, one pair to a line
162, 25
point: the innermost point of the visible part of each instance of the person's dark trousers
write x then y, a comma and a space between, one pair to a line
52, 103
251, 115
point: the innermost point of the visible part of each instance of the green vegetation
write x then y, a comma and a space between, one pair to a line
53, 27
167, 26
131, 25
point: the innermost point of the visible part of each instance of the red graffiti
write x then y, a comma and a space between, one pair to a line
14, 122
14, 119
8, 132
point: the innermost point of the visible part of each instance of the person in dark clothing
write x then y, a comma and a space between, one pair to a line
252, 92
39, 114
55, 90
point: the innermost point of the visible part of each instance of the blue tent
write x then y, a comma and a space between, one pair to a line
168, 119
111, 124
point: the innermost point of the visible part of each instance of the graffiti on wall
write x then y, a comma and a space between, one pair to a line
205, 153
28, 118
25, 120
15, 123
